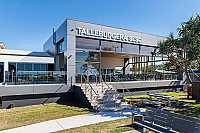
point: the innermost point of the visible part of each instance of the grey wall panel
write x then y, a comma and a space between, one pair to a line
143, 91
48, 46
148, 39
87, 26
15, 90
112, 29
71, 41
10, 90
61, 31
147, 84
25, 100
71, 27
133, 33
160, 38
71, 70
43, 89
71, 57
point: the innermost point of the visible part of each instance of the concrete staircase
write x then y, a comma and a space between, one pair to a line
104, 98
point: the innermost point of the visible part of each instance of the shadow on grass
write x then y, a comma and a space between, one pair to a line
125, 128
191, 110
76, 104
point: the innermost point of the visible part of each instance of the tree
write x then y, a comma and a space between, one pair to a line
184, 50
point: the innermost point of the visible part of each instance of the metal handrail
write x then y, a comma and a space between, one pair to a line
122, 84
90, 85
124, 87
115, 93
104, 82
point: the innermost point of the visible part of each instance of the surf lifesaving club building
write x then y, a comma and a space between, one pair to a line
78, 48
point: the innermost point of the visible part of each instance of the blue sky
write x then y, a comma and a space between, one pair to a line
27, 24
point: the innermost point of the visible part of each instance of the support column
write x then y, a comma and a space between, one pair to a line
144, 65
132, 65
147, 60
139, 65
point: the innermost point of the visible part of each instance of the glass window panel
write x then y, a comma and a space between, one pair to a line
50, 67
1, 72
110, 46
28, 67
130, 48
84, 56
94, 68
81, 68
20, 66
12, 66
85, 43
43, 67
36, 67
146, 50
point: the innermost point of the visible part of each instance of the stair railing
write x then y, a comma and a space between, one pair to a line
109, 89
117, 80
92, 89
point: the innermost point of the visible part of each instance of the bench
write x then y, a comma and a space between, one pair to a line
136, 111
177, 103
150, 101
161, 121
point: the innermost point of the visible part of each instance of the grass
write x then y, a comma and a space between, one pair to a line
177, 95
189, 108
21, 116
116, 126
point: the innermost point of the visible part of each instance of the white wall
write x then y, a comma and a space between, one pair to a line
111, 63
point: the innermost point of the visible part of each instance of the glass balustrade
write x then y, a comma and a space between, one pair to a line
35, 77
128, 77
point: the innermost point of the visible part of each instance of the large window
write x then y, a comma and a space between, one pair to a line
130, 48
85, 43
28, 67
93, 68
111, 46
87, 56
146, 50
20, 66
25, 73
36, 67
81, 68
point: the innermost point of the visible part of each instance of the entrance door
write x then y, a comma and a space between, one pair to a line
1, 72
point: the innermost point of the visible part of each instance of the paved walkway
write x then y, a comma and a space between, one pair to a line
70, 122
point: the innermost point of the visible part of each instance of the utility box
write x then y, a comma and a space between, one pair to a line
192, 91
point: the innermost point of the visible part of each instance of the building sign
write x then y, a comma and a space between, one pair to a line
107, 35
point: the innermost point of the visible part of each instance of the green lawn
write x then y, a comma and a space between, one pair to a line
21, 116
116, 126
177, 95
190, 109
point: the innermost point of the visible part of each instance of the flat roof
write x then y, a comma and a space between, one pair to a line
22, 52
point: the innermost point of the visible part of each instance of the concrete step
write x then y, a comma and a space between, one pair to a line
112, 102
98, 90
106, 100
114, 108
100, 93
101, 100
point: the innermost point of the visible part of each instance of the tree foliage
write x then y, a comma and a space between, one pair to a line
183, 51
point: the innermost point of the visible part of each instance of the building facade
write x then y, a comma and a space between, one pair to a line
88, 48
80, 51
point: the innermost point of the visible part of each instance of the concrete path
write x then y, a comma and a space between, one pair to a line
70, 122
